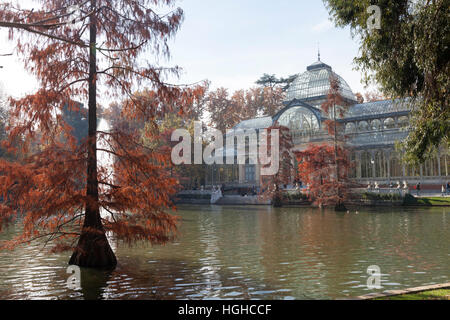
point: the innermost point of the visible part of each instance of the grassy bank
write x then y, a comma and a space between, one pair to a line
374, 199
442, 294
426, 201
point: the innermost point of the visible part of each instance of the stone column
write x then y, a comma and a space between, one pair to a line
258, 174
241, 173
358, 165
388, 160
372, 158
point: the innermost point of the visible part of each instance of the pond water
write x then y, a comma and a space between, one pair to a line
252, 253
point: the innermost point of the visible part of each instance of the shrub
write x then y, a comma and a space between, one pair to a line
293, 196
409, 200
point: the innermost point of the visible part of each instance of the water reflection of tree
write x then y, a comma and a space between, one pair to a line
196, 266
242, 250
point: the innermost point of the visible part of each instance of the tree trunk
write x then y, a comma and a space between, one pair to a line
93, 249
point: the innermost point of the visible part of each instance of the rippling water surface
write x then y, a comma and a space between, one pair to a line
252, 253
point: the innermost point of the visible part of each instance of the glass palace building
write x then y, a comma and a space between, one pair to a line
371, 130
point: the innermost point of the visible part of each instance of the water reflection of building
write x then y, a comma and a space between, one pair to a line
372, 130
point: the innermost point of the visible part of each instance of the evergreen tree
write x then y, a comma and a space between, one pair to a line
271, 81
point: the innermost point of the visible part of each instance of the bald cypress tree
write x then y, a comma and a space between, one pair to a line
72, 47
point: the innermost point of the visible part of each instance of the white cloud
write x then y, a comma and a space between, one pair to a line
323, 26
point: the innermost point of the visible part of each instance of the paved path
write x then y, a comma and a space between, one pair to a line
430, 194
391, 293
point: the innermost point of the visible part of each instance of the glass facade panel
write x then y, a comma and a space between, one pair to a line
445, 169
403, 122
350, 128
299, 119
376, 125
366, 165
363, 126
250, 173
380, 165
389, 123
396, 167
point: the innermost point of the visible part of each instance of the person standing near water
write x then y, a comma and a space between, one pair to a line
418, 189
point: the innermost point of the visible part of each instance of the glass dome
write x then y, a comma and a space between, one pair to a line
315, 83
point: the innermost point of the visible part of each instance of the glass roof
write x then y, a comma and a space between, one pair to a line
377, 138
378, 107
257, 123
315, 82
299, 118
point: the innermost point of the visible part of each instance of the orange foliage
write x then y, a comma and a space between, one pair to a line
359, 97
373, 96
272, 185
325, 167
226, 111
59, 191
317, 168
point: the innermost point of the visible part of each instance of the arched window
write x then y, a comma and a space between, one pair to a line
396, 166
350, 127
403, 122
366, 165
299, 119
363, 126
376, 125
380, 165
250, 171
389, 123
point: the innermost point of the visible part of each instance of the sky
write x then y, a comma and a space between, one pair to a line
232, 43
